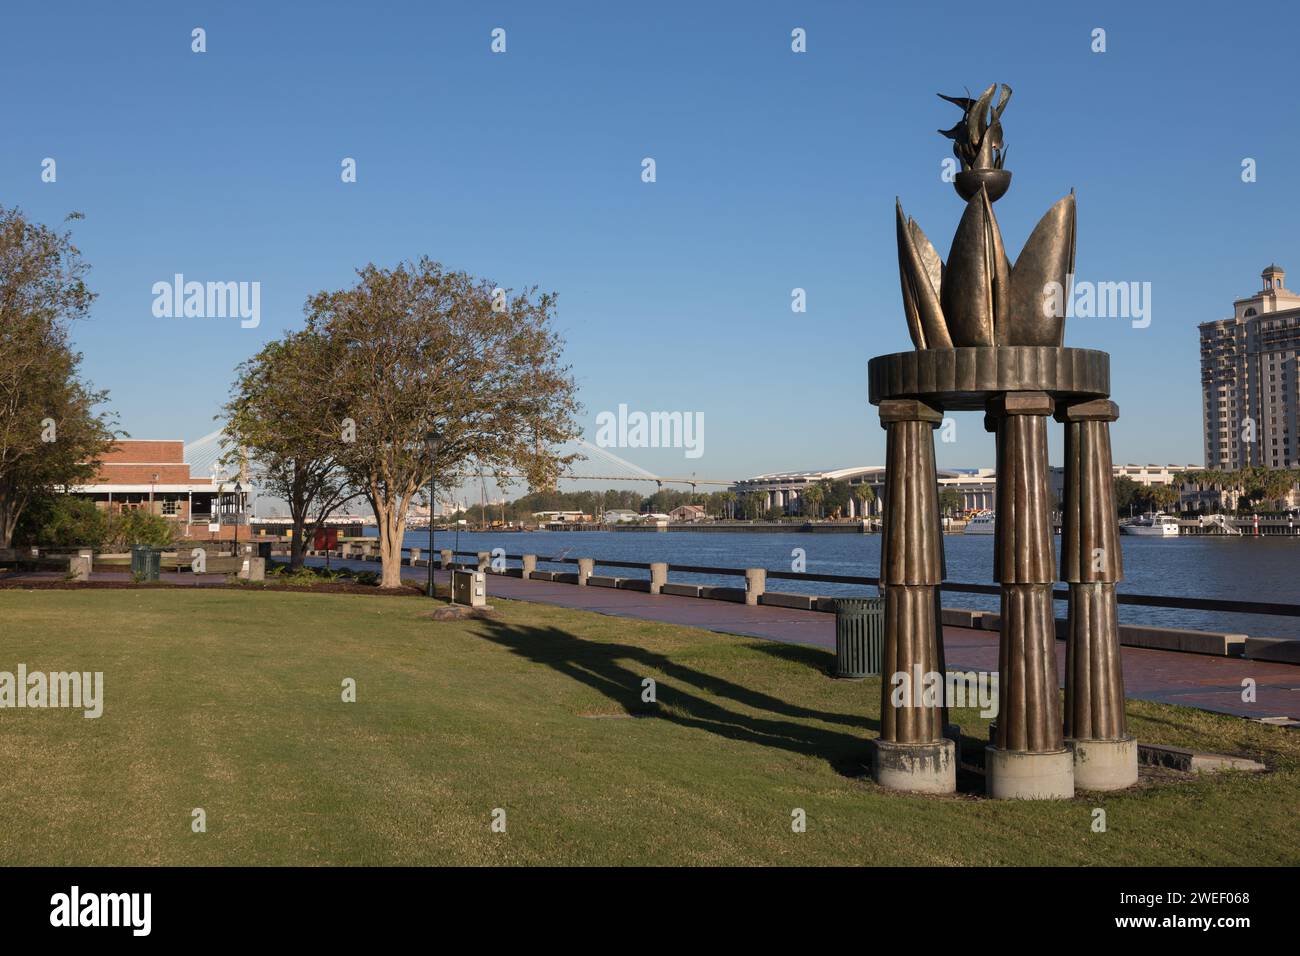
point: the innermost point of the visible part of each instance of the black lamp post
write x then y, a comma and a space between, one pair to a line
432, 440
239, 489
215, 508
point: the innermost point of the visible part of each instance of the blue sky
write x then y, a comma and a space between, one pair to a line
775, 170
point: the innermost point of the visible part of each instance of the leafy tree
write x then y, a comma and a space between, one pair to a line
835, 497
51, 434
424, 350
666, 499
61, 521
284, 413
949, 500
1127, 493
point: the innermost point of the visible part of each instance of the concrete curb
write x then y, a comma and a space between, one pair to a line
1210, 643
1281, 650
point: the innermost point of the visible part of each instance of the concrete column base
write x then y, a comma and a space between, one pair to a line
79, 567
252, 569
658, 576
1021, 775
1104, 764
917, 768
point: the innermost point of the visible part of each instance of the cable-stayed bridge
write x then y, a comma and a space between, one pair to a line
204, 457
601, 464
595, 464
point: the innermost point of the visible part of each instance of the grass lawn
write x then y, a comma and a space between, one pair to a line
231, 701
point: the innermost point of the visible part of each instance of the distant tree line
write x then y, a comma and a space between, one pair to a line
1254, 489
825, 499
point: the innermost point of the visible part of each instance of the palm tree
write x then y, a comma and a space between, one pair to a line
1163, 496
1272, 484
729, 502
812, 498
864, 495
1217, 479
1181, 479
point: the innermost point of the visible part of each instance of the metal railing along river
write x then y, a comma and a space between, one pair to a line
1060, 594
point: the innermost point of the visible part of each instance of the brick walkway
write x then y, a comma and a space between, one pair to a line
1192, 680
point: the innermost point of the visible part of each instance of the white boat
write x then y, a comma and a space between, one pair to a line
1155, 524
981, 523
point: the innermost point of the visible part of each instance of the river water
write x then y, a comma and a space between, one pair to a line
1242, 569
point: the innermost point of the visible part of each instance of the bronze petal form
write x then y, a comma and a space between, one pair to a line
921, 272
977, 282
1048, 256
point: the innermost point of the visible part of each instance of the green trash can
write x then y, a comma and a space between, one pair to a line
859, 636
146, 562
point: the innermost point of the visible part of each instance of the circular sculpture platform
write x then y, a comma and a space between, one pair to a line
963, 379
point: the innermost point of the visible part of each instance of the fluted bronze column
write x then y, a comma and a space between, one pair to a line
912, 753
1028, 758
1092, 564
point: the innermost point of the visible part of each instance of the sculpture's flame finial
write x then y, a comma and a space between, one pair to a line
977, 139
977, 143
979, 298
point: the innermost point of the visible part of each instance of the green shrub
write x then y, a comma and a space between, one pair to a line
139, 527
61, 521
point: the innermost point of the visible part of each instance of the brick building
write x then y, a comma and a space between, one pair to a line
154, 476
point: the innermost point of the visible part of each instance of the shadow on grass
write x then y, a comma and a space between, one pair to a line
616, 671
817, 658
970, 748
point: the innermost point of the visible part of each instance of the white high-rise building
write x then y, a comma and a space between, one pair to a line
1249, 390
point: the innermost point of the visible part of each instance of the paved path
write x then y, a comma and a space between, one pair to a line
1192, 680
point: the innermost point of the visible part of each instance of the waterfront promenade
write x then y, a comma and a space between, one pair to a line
1190, 680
